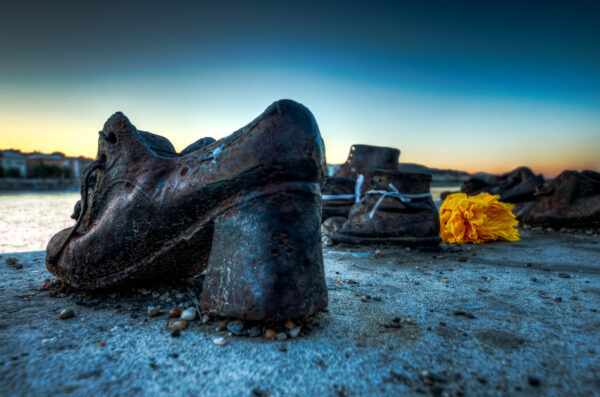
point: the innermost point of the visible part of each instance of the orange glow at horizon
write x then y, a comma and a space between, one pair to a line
77, 137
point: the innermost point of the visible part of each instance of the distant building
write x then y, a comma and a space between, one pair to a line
76, 165
29, 164
13, 160
35, 160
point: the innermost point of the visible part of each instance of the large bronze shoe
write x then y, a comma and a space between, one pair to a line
570, 200
246, 208
396, 209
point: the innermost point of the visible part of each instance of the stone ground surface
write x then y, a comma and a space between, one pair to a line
496, 319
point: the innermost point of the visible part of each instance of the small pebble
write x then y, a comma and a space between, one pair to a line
281, 336
289, 324
378, 252
327, 241
220, 341
294, 332
175, 312
222, 325
189, 314
179, 324
270, 334
101, 343
445, 280
155, 294
144, 291
205, 319
564, 275
66, 313
236, 327
153, 311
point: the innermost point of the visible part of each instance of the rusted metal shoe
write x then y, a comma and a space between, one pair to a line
397, 208
365, 159
570, 200
516, 186
246, 208
341, 191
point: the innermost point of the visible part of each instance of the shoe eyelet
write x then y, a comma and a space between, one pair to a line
112, 138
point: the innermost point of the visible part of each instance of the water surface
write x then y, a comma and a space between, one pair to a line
27, 221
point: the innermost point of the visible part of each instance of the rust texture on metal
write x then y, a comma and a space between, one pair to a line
411, 222
516, 186
364, 159
570, 200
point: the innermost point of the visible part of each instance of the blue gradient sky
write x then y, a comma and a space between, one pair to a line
468, 85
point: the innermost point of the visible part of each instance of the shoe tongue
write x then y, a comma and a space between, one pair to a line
199, 144
158, 144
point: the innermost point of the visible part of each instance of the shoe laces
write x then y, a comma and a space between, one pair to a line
394, 193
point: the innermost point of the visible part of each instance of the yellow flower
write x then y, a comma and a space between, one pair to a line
477, 219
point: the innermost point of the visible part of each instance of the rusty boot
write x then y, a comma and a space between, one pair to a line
396, 209
246, 208
365, 159
341, 191
570, 200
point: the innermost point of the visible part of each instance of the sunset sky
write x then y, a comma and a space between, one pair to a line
477, 86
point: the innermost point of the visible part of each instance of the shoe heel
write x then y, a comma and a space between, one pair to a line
266, 262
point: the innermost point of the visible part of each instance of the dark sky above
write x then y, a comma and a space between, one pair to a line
535, 50
66, 37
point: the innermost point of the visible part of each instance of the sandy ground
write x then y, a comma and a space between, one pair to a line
496, 319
